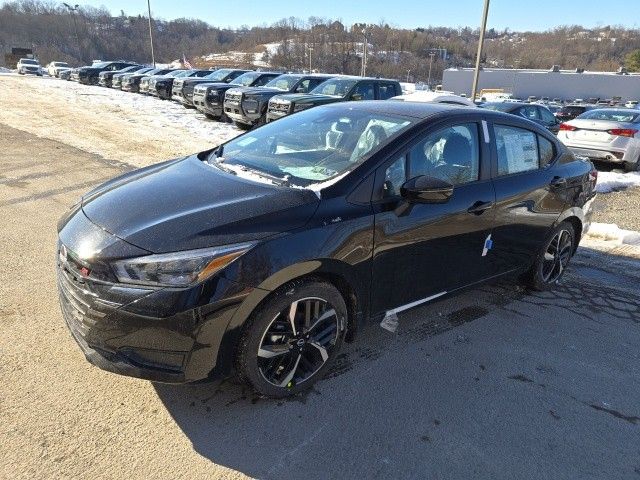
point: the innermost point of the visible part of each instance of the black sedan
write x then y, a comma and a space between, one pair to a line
531, 111
262, 256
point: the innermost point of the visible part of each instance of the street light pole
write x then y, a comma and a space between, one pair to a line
476, 73
153, 57
365, 47
310, 50
73, 11
408, 72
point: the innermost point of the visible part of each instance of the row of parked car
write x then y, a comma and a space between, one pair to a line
245, 97
251, 98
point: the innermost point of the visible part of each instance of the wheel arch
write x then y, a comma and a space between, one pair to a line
335, 272
576, 218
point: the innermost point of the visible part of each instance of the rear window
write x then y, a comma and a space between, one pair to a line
572, 110
498, 107
611, 115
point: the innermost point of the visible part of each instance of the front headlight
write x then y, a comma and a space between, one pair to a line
302, 106
179, 269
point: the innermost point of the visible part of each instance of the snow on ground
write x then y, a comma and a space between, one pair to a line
610, 232
611, 181
133, 128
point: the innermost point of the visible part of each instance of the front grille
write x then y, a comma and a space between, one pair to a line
233, 97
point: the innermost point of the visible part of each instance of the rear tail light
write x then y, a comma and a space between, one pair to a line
593, 177
623, 132
566, 127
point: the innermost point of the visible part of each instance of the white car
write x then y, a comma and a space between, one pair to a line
29, 65
631, 104
608, 134
54, 68
435, 97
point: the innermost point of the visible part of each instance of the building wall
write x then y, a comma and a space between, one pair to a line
565, 85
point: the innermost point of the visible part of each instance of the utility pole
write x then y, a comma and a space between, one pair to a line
365, 48
73, 11
476, 73
153, 57
310, 50
431, 55
408, 72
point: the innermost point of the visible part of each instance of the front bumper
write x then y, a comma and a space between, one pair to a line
236, 113
275, 115
204, 105
104, 82
153, 334
130, 87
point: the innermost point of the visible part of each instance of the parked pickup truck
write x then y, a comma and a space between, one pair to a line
208, 98
183, 88
161, 86
105, 79
247, 106
54, 68
131, 82
89, 75
338, 89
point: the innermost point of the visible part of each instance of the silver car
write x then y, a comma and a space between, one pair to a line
608, 134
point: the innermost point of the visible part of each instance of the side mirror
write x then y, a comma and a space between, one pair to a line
356, 96
423, 189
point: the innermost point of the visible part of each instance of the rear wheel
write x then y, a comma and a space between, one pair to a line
291, 341
553, 259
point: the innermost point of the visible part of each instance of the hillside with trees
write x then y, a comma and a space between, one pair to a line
55, 32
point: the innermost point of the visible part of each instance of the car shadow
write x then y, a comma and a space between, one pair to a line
315, 435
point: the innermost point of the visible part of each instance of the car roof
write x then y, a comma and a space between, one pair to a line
419, 110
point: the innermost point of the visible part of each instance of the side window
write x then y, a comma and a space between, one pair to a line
451, 154
386, 90
314, 82
365, 91
303, 86
517, 150
529, 111
394, 176
263, 80
547, 151
547, 116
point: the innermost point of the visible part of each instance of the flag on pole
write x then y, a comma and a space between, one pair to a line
186, 62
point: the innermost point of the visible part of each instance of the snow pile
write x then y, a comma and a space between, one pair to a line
610, 232
613, 181
4, 70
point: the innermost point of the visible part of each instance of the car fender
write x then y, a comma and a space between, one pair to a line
322, 268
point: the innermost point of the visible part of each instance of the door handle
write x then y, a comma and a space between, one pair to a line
479, 207
558, 182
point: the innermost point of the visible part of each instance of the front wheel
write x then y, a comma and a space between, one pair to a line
242, 126
291, 340
553, 258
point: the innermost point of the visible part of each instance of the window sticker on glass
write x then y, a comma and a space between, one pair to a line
517, 150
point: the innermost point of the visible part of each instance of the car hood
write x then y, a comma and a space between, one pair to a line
308, 97
187, 203
260, 91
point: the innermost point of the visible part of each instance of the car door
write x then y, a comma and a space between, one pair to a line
530, 195
386, 90
424, 250
363, 91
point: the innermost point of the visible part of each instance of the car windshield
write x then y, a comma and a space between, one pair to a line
246, 79
313, 146
60, 64
283, 82
129, 69
180, 73
29, 62
219, 74
611, 115
337, 87
100, 65
498, 106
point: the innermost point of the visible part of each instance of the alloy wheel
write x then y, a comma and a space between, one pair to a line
557, 256
298, 342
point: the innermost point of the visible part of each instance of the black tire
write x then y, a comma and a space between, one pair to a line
279, 357
549, 267
242, 126
211, 117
